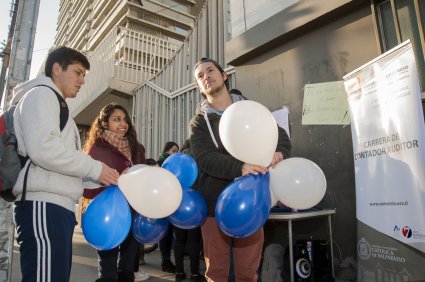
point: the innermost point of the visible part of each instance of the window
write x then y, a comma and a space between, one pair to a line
399, 20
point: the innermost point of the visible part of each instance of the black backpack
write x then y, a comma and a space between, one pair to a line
11, 163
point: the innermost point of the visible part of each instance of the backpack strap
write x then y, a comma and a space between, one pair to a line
24, 189
63, 119
64, 111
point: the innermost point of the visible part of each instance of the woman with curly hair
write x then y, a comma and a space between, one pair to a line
113, 140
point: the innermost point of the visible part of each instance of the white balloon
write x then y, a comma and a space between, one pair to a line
136, 167
153, 192
273, 199
298, 183
249, 132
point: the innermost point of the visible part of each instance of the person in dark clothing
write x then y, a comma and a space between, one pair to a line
169, 148
217, 170
235, 91
151, 162
140, 258
166, 243
190, 238
139, 274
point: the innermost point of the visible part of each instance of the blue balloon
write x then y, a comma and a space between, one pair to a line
107, 219
183, 167
149, 230
244, 206
192, 211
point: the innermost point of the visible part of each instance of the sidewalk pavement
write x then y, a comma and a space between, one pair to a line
84, 263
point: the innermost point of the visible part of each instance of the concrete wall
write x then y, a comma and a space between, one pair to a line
275, 77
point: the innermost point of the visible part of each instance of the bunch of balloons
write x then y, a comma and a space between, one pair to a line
161, 195
249, 133
156, 195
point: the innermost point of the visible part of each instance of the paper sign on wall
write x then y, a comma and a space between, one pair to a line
325, 103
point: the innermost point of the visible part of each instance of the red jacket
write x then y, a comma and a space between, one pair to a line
105, 152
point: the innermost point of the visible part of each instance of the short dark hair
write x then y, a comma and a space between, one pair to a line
217, 65
151, 162
64, 56
169, 145
235, 91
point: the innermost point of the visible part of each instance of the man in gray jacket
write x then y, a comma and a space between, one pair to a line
44, 214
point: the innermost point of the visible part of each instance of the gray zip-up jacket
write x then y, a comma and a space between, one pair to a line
58, 165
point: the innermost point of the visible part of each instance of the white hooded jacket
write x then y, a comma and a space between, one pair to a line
58, 164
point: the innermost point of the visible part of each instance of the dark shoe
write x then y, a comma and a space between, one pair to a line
180, 277
125, 276
106, 280
168, 266
197, 278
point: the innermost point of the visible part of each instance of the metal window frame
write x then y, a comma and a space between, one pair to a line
420, 24
378, 26
396, 21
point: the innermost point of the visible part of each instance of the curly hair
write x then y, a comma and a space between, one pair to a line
97, 128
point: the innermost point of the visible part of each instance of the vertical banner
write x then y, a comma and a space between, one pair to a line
387, 125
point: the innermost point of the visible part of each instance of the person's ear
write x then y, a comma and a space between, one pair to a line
105, 124
56, 69
224, 76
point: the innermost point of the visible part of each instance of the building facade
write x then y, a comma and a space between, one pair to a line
126, 42
311, 42
275, 48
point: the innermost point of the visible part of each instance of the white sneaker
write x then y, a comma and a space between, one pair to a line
140, 276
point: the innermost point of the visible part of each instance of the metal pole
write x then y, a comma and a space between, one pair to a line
7, 48
18, 71
6, 240
291, 250
22, 47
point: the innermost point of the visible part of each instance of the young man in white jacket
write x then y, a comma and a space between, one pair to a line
44, 214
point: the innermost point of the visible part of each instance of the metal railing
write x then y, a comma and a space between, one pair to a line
164, 105
127, 56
